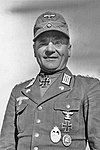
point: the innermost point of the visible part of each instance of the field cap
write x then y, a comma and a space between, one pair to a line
50, 21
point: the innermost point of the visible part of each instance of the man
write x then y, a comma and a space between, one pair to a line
57, 110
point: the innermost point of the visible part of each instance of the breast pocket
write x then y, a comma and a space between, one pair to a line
68, 109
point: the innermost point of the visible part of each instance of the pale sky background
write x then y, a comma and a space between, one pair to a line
17, 18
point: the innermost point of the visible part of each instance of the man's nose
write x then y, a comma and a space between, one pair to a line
50, 49
50, 46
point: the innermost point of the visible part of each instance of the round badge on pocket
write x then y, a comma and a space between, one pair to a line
66, 140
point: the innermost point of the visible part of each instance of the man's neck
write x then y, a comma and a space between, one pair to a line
52, 72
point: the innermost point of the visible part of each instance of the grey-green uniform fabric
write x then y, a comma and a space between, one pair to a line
30, 117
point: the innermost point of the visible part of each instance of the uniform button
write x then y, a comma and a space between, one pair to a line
40, 108
36, 134
68, 106
36, 148
38, 120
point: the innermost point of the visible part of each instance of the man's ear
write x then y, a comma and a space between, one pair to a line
34, 47
69, 50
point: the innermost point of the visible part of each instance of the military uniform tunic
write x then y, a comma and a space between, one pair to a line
63, 118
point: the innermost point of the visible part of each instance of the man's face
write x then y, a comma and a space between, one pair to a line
52, 50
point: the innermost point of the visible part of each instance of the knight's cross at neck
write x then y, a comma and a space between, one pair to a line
44, 81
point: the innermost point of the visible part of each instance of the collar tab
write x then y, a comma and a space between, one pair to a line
66, 79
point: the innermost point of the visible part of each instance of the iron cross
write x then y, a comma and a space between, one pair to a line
45, 82
67, 126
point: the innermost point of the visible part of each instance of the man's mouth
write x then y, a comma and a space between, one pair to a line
51, 57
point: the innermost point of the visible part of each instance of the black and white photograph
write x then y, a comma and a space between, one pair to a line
50, 75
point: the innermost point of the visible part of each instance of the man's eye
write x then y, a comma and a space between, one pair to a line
58, 43
43, 43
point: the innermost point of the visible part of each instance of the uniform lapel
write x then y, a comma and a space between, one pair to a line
32, 91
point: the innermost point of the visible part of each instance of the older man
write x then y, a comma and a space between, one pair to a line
57, 110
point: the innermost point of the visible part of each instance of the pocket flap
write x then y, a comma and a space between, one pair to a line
21, 103
69, 104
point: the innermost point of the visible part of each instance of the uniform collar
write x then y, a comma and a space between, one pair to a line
66, 78
51, 75
62, 84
